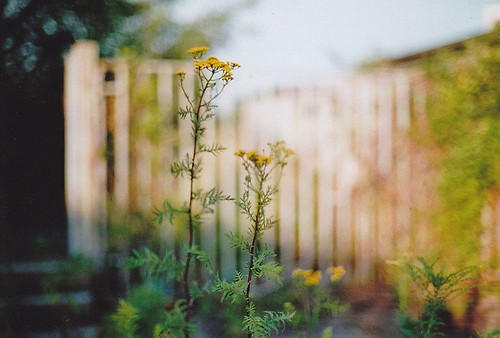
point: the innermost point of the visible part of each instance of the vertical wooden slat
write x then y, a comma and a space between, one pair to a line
85, 176
122, 136
325, 164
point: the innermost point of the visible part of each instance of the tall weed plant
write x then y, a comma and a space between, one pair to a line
175, 320
435, 288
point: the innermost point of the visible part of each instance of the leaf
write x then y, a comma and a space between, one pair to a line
125, 319
233, 290
201, 256
213, 149
272, 270
154, 266
210, 198
238, 241
169, 212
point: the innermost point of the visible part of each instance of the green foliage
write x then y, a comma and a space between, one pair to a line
68, 275
494, 333
154, 266
169, 212
436, 288
463, 113
327, 332
261, 326
125, 319
174, 325
232, 290
144, 308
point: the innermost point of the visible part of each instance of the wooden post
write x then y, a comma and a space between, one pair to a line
85, 137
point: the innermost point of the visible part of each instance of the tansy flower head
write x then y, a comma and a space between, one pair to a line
240, 153
288, 152
311, 277
296, 272
182, 75
252, 156
307, 273
198, 51
264, 160
336, 273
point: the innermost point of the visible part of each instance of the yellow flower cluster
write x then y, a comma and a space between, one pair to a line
254, 157
336, 272
214, 64
309, 277
182, 75
198, 50
313, 277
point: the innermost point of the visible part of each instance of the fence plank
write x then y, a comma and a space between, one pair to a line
85, 176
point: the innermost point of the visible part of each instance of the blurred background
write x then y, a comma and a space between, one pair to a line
391, 108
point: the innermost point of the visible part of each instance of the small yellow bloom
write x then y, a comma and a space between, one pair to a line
182, 75
264, 160
296, 272
240, 153
312, 277
307, 273
252, 156
336, 273
196, 50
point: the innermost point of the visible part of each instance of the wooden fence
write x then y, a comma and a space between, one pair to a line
356, 192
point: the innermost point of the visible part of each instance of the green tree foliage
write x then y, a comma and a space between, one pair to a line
464, 111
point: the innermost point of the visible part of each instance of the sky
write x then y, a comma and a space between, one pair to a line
291, 42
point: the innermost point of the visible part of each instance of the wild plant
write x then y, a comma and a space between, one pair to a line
435, 289
256, 197
492, 333
309, 300
212, 77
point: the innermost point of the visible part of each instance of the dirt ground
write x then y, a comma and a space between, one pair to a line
372, 313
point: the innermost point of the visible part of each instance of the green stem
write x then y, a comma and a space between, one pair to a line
196, 137
254, 244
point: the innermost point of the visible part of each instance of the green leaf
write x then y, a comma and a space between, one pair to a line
154, 266
125, 319
212, 149
201, 256
234, 290
272, 270
169, 212
238, 241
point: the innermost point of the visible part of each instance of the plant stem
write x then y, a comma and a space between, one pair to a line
254, 244
196, 136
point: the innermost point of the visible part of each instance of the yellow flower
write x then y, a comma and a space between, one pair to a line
312, 277
252, 156
197, 50
240, 153
296, 272
264, 160
307, 273
288, 152
336, 273
182, 75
